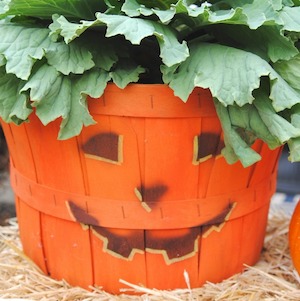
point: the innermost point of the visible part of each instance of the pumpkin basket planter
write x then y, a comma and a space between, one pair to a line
144, 136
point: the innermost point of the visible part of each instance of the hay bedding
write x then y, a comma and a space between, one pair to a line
272, 278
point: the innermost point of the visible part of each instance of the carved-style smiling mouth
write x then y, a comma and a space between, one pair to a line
174, 246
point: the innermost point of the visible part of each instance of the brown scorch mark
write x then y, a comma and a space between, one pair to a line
207, 145
80, 215
125, 243
218, 222
120, 245
149, 196
104, 146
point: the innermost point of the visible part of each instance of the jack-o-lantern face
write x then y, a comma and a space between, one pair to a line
148, 162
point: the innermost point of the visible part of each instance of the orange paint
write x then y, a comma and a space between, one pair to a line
294, 237
143, 195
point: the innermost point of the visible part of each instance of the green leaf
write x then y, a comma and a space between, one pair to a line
126, 72
165, 15
283, 96
114, 6
133, 9
292, 2
4, 6
21, 110
221, 69
242, 125
290, 71
104, 53
231, 75
2, 60
50, 93
279, 127
135, 30
172, 52
252, 14
184, 7
161, 4
249, 123
72, 58
294, 143
13, 105
235, 147
22, 46
261, 12
41, 83
268, 41
91, 83
55, 96
295, 116
290, 17
69, 30
83, 9
294, 146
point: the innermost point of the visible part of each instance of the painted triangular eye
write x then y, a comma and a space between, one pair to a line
206, 146
106, 147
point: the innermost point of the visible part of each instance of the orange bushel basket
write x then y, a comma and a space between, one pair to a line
143, 195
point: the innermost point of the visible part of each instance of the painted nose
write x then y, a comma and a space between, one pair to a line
149, 196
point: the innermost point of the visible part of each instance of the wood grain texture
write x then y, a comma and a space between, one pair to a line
161, 199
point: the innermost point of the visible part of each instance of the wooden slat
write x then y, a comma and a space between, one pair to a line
117, 182
67, 251
109, 180
254, 228
220, 253
29, 219
123, 258
169, 158
58, 165
20, 149
57, 162
171, 253
208, 125
31, 234
267, 165
170, 175
151, 101
224, 179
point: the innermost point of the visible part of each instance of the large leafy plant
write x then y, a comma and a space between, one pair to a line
53, 53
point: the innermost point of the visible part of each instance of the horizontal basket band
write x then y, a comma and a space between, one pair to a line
157, 101
132, 215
